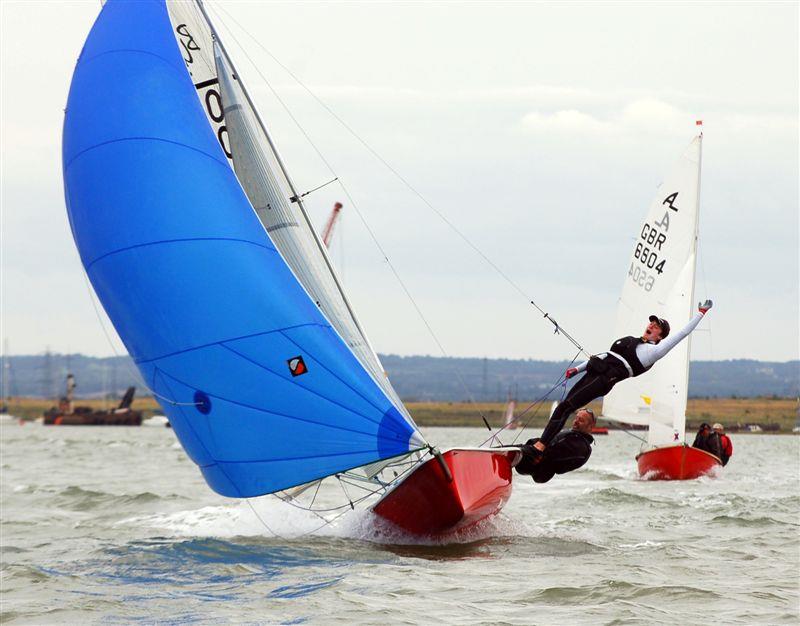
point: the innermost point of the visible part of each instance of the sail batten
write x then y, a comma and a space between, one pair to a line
261, 389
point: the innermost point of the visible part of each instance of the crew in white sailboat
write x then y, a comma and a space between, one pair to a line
630, 356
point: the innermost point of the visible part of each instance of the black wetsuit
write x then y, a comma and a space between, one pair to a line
627, 356
700, 441
601, 375
710, 443
568, 451
714, 444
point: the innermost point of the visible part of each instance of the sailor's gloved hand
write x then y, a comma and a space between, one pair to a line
531, 456
571, 372
703, 307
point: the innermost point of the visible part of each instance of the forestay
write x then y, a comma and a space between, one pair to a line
260, 388
660, 281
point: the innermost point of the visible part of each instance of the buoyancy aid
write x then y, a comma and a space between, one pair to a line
625, 348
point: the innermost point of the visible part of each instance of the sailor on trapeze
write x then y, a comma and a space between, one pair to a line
627, 357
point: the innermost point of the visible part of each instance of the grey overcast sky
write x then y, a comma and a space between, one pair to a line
540, 129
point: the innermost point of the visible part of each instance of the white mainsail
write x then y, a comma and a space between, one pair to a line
262, 176
660, 281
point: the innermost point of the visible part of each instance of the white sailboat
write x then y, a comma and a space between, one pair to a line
660, 281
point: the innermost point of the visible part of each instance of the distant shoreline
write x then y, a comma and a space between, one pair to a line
772, 415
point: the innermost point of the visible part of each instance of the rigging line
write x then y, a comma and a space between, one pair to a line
508, 279
310, 191
287, 500
355, 485
380, 488
528, 408
541, 403
316, 491
136, 375
627, 432
260, 519
561, 381
346, 495
349, 506
325, 522
350, 198
542, 398
328, 522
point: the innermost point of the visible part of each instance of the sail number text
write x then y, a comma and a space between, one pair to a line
646, 256
208, 90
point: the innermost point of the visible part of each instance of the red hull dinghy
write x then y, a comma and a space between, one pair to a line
663, 283
450, 492
680, 462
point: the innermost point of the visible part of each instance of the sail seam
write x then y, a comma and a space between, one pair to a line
304, 458
158, 372
135, 51
121, 139
222, 341
233, 483
312, 391
412, 425
165, 241
277, 414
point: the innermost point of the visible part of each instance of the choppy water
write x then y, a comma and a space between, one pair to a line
115, 525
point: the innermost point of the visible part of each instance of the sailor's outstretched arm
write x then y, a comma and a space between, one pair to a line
574, 371
654, 353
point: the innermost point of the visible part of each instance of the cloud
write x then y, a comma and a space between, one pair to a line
652, 116
649, 112
570, 121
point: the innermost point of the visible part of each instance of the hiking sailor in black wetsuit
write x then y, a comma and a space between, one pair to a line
627, 357
568, 451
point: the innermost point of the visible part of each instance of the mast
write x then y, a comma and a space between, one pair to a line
296, 196
694, 267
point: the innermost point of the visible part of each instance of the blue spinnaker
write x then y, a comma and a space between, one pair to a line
261, 391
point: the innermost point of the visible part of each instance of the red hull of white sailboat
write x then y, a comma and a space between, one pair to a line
430, 503
679, 462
